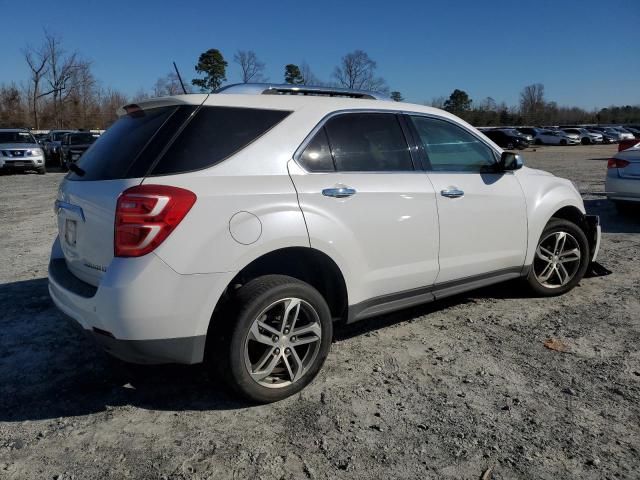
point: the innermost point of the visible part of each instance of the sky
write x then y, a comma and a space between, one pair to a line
584, 52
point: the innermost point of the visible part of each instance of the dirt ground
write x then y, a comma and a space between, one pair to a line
444, 391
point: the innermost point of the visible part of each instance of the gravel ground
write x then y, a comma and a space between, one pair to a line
448, 390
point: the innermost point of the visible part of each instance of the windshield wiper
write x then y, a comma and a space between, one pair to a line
76, 169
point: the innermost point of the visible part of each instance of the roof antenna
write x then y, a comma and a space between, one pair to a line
179, 78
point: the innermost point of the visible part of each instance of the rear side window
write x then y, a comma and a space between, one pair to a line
190, 138
214, 134
368, 142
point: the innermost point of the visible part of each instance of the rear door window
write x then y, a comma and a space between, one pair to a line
317, 154
368, 142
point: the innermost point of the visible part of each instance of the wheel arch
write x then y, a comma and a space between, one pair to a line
303, 263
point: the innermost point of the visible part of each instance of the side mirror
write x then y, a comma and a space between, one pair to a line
510, 161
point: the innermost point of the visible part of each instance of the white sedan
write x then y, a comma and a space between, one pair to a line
555, 137
623, 178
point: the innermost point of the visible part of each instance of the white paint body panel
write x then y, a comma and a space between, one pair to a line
384, 238
396, 233
483, 231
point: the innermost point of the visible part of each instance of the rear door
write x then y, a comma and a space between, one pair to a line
482, 215
87, 197
367, 205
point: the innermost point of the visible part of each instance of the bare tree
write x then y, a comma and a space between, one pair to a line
12, 112
37, 60
168, 85
62, 68
357, 70
252, 67
308, 78
437, 102
532, 103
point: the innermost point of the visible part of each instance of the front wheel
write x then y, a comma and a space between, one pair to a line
277, 340
560, 260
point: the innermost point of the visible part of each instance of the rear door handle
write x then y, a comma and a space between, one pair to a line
339, 192
452, 193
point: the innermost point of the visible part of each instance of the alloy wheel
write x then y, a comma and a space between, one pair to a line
282, 343
557, 259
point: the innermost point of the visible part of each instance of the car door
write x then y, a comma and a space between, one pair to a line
482, 214
367, 205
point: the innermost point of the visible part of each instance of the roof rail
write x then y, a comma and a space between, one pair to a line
289, 89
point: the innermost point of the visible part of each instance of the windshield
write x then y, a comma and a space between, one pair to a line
16, 137
81, 138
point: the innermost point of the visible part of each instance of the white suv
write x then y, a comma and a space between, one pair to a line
240, 225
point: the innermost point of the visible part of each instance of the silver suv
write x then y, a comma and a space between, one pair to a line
19, 151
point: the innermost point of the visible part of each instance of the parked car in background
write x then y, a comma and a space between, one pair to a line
517, 133
51, 145
635, 131
622, 184
610, 135
73, 145
531, 131
237, 225
624, 133
19, 151
506, 139
607, 137
555, 137
586, 137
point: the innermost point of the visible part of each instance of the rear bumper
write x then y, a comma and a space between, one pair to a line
622, 189
142, 311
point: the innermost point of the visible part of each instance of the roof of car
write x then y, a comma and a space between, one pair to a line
14, 130
320, 104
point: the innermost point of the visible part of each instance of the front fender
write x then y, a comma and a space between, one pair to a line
545, 195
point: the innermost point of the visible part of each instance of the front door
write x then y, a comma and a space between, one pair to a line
482, 215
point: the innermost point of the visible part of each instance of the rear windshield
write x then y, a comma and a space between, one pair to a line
169, 140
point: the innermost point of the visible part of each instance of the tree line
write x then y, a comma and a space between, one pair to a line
62, 92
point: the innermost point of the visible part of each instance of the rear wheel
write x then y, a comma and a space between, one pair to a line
563, 142
537, 141
510, 146
276, 340
560, 260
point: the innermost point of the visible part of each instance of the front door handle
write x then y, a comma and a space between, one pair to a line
339, 192
452, 193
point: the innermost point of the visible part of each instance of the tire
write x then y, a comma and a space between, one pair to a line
247, 348
41, 170
537, 141
574, 270
586, 141
563, 142
510, 146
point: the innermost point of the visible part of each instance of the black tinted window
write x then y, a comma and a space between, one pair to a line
114, 153
364, 142
214, 134
317, 156
451, 148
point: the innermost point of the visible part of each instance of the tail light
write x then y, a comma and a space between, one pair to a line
146, 215
617, 163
